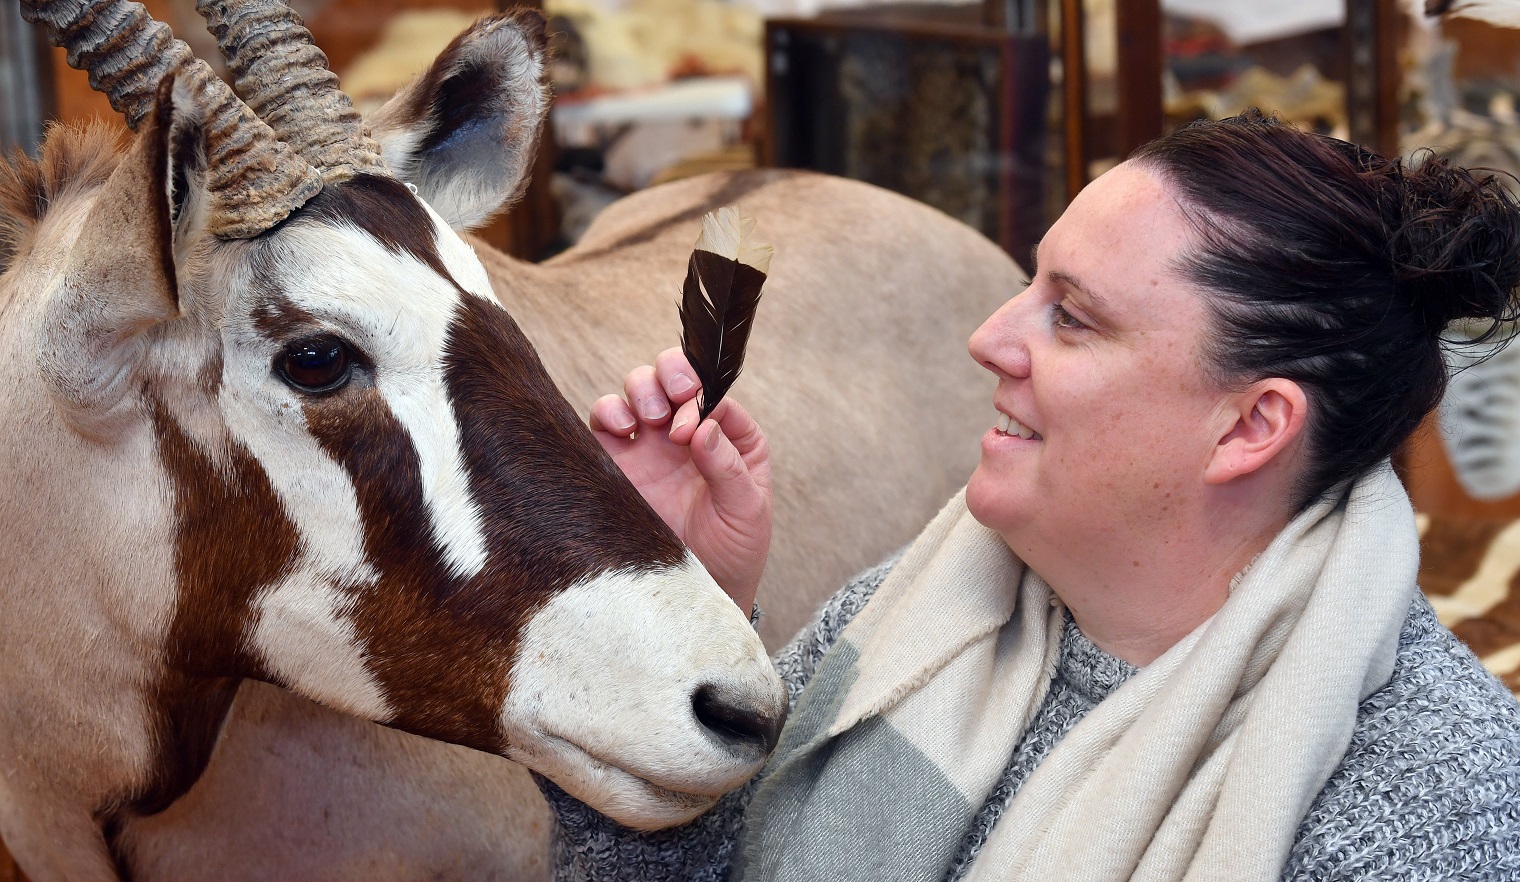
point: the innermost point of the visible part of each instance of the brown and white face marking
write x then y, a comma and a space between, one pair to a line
328, 459
441, 544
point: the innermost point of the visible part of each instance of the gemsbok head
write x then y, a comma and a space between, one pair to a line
265, 419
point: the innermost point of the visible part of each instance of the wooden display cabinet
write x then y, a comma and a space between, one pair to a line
952, 113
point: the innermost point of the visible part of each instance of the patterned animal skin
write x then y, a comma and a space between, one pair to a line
1470, 570
1480, 421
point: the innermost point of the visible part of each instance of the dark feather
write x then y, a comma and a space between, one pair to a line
718, 302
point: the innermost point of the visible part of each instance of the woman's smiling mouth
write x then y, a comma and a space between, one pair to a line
1007, 425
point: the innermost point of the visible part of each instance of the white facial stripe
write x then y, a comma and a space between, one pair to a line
398, 310
316, 492
421, 405
304, 637
461, 260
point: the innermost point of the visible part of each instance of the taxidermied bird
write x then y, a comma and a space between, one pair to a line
1504, 13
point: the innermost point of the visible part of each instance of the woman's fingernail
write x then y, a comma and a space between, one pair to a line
680, 421
653, 409
712, 438
680, 383
623, 422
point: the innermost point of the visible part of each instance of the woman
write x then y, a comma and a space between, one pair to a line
1170, 629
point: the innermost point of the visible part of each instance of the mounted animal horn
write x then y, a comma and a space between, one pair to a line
283, 76
254, 180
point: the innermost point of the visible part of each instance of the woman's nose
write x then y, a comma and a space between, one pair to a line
1000, 344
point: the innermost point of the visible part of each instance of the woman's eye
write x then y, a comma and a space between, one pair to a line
316, 364
1063, 319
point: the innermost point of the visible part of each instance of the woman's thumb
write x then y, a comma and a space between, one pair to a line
727, 476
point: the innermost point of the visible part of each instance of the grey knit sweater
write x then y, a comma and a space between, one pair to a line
1429, 788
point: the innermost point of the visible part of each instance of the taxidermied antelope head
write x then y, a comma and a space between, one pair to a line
325, 456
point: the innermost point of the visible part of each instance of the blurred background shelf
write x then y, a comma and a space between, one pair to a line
996, 112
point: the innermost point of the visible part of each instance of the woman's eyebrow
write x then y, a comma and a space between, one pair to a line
1095, 300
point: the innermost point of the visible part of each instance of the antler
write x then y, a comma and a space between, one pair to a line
283, 76
255, 181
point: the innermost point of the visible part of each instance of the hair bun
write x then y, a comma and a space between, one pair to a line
1455, 246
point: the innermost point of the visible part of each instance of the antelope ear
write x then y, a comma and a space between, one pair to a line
120, 277
465, 132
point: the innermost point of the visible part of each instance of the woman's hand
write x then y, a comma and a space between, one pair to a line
711, 482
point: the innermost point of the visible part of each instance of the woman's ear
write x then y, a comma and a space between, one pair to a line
1267, 419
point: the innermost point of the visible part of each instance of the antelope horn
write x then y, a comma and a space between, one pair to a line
283, 76
254, 180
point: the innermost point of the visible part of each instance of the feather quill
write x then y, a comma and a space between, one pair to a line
718, 301
1503, 13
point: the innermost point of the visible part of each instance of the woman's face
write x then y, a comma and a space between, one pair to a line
1100, 358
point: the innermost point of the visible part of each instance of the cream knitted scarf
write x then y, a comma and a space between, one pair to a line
1200, 767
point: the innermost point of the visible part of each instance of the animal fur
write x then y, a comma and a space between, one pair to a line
74, 160
295, 790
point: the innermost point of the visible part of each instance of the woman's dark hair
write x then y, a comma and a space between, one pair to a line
1338, 269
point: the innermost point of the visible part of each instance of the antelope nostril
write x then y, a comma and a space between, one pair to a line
736, 722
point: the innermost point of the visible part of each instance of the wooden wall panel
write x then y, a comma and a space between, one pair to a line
1140, 59
1371, 43
1074, 95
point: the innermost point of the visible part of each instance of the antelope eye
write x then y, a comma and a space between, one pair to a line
316, 364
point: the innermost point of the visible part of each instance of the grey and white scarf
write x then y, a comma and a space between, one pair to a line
1199, 768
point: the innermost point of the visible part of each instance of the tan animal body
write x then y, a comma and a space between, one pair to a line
194, 510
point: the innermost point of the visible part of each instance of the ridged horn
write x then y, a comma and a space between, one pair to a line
254, 179
283, 76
